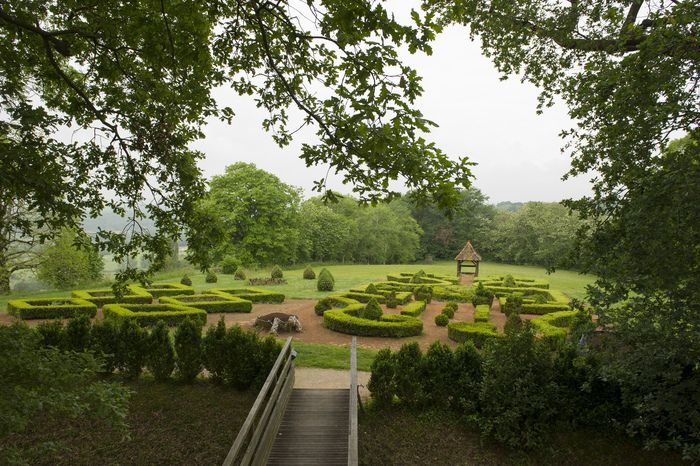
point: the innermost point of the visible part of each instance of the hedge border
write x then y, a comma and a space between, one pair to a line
224, 304
389, 325
134, 295
254, 295
479, 333
481, 313
413, 309
146, 314
174, 289
26, 309
553, 327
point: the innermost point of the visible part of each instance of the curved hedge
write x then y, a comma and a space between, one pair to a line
210, 302
51, 308
150, 314
413, 309
553, 327
389, 325
254, 295
133, 295
479, 332
330, 302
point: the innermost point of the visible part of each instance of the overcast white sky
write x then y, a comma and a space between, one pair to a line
492, 122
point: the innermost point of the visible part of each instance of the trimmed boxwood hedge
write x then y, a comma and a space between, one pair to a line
481, 313
330, 302
546, 308
167, 289
402, 296
389, 325
428, 278
478, 333
553, 327
497, 280
211, 302
254, 295
413, 309
363, 297
133, 295
150, 314
51, 308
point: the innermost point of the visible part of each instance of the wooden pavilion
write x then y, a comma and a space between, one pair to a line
468, 258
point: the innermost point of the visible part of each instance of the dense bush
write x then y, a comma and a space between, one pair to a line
381, 381
65, 266
372, 289
168, 289
214, 355
423, 293
132, 295
331, 302
150, 314
51, 334
188, 348
468, 367
508, 280
211, 303
326, 282
186, 280
239, 274
513, 305
160, 355
372, 311
481, 313
258, 281
276, 272
479, 333
51, 308
391, 300
438, 375
441, 320
211, 277
254, 295
105, 343
230, 264
247, 359
407, 378
77, 334
347, 321
450, 309
131, 349
309, 273
413, 309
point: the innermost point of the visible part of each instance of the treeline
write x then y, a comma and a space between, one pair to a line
257, 220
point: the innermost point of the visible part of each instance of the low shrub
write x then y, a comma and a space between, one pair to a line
211, 303
239, 274
330, 302
381, 381
211, 277
77, 334
391, 300
230, 264
513, 305
407, 378
325, 282
131, 349
441, 320
51, 334
309, 273
482, 295
453, 293
150, 314
105, 343
468, 367
186, 280
132, 295
52, 308
508, 280
214, 355
254, 295
413, 309
545, 308
258, 281
276, 272
552, 328
450, 309
371, 289
389, 325
438, 375
481, 313
160, 358
478, 333
423, 293
372, 311
188, 348
168, 289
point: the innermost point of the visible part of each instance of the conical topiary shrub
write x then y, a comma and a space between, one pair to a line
276, 272
371, 289
211, 277
309, 273
239, 274
325, 282
372, 311
187, 281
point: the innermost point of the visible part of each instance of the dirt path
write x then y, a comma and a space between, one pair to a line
312, 377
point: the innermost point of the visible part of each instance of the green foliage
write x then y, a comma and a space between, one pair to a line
277, 272
131, 349
371, 289
478, 333
508, 280
150, 314
210, 277
513, 305
51, 334
423, 293
160, 358
407, 378
441, 320
69, 261
481, 313
132, 295
40, 382
211, 303
254, 295
239, 274
468, 367
326, 282
230, 264
309, 273
105, 343
413, 309
482, 295
77, 334
186, 280
381, 381
214, 351
539, 299
188, 348
242, 353
372, 311
347, 321
50, 308
449, 310
438, 375
391, 300
522, 417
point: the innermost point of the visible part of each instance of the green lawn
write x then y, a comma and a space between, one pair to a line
349, 276
331, 356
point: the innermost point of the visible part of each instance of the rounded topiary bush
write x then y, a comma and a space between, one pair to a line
513, 305
309, 273
239, 274
372, 310
186, 280
441, 320
509, 281
449, 312
276, 272
391, 300
326, 282
371, 289
211, 277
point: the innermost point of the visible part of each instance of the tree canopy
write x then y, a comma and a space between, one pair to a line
135, 79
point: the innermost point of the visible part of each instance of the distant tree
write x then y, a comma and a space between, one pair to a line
257, 214
20, 240
70, 260
325, 235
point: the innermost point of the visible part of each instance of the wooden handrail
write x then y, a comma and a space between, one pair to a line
253, 442
352, 432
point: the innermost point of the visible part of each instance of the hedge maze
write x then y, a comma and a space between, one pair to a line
211, 303
54, 308
150, 314
254, 295
168, 289
133, 295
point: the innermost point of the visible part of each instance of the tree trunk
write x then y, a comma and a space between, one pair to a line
4, 280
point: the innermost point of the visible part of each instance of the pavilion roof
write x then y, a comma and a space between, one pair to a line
468, 253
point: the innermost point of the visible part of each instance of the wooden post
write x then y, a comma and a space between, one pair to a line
476, 273
459, 268
352, 432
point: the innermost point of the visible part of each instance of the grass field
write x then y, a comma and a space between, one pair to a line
348, 276
331, 356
